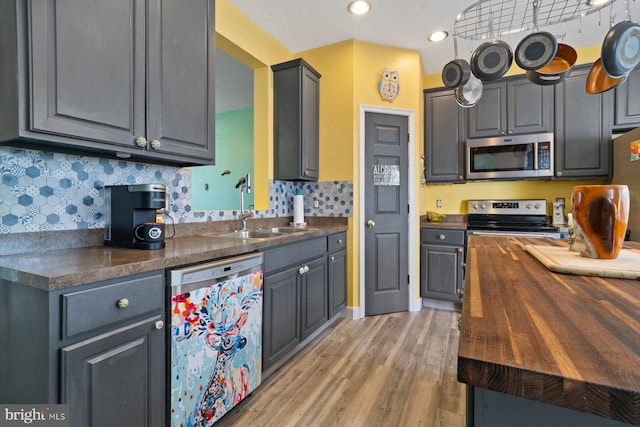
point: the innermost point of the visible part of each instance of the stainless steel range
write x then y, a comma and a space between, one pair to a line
524, 218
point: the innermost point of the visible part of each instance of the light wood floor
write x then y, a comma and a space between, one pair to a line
392, 370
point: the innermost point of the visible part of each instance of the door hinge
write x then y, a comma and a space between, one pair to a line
408, 279
408, 137
408, 208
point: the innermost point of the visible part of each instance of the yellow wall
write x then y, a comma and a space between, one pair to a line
350, 74
454, 196
242, 38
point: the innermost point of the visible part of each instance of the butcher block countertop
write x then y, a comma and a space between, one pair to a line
568, 340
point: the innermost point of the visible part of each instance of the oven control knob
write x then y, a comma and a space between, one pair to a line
537, 206
483, 206
475, 206
528, 205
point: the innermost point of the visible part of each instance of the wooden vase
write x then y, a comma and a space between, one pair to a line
600, 215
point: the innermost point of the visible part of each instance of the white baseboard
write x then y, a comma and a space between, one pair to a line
352, 313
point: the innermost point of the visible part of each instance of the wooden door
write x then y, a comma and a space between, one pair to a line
386, 214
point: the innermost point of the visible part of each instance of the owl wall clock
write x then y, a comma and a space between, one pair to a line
389, 85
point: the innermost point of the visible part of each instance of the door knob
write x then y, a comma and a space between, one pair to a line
371, 223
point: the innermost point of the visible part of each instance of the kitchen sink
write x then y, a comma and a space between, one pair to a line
259, 233
284, 230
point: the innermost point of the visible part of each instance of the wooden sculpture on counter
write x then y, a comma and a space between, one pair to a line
600, 215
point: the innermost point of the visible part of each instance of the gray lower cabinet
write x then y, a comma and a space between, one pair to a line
582, 129
488, 408
314, 307
441, 264
99, 348
301, 292
627, 102
296, 115
292, 276
337, 270
281, 315
444, 136
512, 106
131, 79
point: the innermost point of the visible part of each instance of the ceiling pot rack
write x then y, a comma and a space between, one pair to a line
486, 19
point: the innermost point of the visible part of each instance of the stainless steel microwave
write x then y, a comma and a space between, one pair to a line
510, 157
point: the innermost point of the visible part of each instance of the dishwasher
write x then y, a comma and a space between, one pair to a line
216, 337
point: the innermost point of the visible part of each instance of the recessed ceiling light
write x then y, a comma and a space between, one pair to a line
437, 36
592, 3
359, 7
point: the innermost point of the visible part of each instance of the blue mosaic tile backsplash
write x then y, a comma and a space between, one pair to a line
42, 191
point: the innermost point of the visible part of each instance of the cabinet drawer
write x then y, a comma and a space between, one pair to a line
442, 236
336, 242
93, 308
295, 253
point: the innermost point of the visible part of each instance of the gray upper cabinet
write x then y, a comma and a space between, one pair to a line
444, 136
132, 79
296, 96
627, 102
512, 106
583, 125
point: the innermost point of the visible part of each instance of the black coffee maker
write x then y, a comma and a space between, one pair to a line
131, 216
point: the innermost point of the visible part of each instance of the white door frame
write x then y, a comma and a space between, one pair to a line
414, 303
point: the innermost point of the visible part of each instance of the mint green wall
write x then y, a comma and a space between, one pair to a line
234, 152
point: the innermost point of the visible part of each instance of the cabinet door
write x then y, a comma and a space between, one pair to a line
489, 116
514, 106
582, 129
118, 378
445, 123
281, 327
627, 114
314, 309
441, 272
337, 263
181, 111
310, 126
88, 70
529, 107
296, 96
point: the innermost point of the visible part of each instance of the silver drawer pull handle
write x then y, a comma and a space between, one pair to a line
339, 241
159, 324
123, 303
442, 237
301, 270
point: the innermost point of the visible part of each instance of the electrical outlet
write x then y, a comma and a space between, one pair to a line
316, 203
438, 203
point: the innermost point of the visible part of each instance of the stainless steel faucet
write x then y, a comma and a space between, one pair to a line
244, 184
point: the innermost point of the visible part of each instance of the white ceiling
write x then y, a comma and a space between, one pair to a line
304, 24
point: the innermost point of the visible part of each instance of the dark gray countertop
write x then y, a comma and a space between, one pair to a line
62, 268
